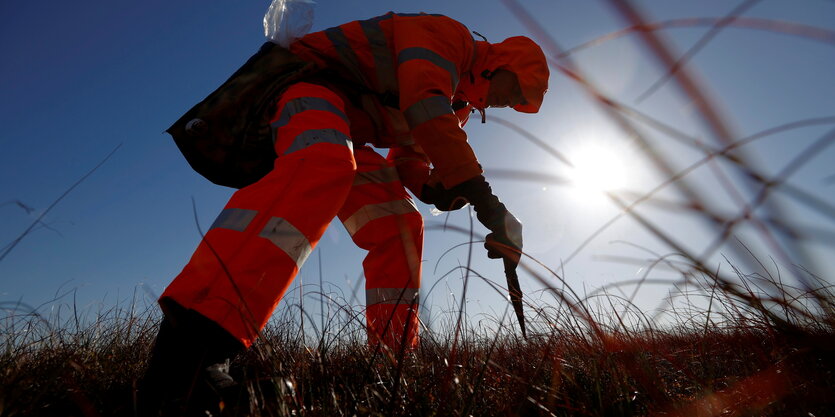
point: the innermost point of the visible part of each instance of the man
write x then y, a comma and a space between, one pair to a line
399, 81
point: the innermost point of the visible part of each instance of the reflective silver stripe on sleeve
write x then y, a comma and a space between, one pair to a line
300, 104
380, 176
375, 211
314, 136
234, 219
386, 77
287, 238
392, 296
409, 54
427, 109
347, 56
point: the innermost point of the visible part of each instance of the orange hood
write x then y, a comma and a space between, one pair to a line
517, 54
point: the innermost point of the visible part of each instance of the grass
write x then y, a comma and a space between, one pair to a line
737, 359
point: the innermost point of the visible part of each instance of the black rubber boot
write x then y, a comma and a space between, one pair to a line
188, 371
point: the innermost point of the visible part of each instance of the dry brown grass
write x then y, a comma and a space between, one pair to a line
735, 361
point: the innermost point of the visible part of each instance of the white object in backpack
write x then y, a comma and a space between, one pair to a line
288, 20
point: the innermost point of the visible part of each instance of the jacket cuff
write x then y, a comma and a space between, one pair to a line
460, 174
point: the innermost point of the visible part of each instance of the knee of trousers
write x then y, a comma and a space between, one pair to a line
377, 224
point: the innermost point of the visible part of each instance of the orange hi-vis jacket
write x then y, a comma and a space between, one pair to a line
421, 64
413, 73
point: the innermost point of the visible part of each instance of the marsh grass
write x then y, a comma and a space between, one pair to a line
735, 359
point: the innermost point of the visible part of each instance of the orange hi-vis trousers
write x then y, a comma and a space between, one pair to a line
252, 252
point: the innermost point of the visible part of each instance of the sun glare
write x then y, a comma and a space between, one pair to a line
597, 170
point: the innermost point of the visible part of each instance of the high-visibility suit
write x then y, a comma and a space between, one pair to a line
403, 82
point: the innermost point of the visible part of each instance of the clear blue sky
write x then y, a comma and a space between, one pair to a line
79, 78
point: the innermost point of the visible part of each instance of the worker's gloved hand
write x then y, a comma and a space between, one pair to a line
442, 198
505, 239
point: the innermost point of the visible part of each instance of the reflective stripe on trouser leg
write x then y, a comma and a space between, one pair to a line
382, 219
252, 252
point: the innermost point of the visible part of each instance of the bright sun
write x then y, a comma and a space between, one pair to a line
596, 170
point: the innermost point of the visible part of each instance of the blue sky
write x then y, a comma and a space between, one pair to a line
79, 79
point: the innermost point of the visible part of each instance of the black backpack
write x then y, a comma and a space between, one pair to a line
227, 137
